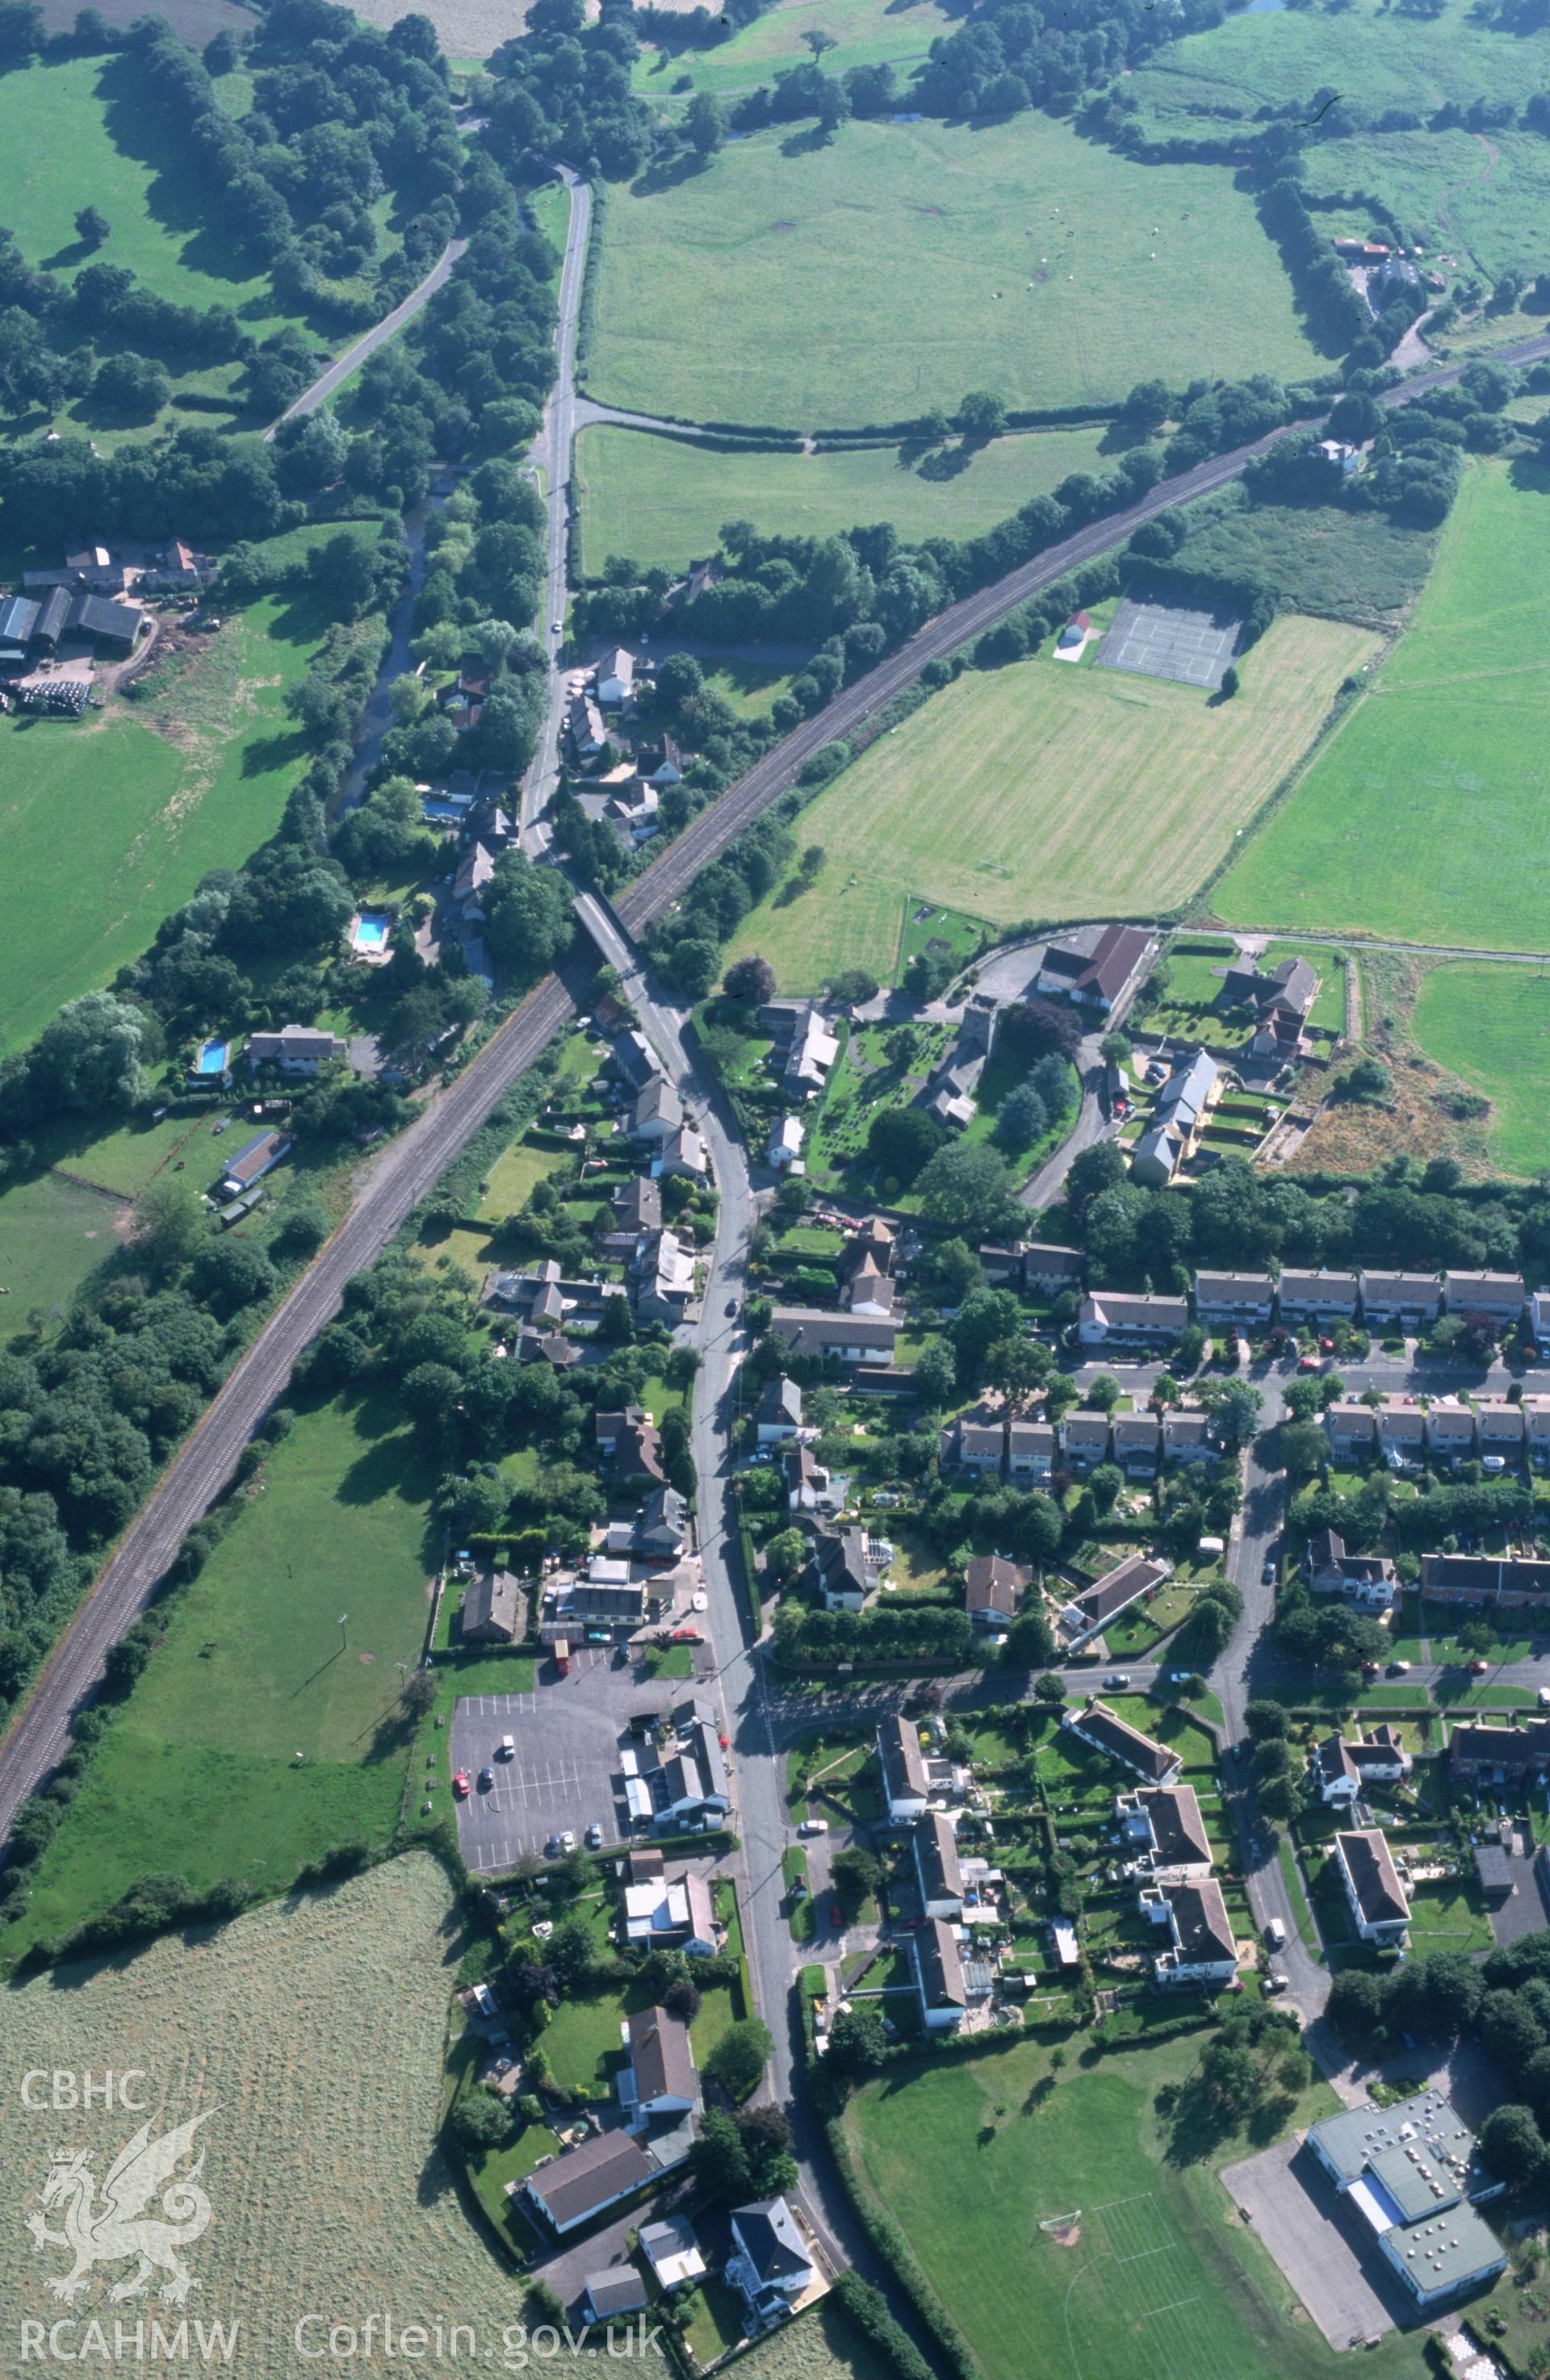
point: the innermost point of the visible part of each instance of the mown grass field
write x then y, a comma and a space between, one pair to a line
969, 2157
1048, 791
1491, 1024
662, 501
1422, 819
254, 1740
107, 823
313, 2031
864, 33
897, 266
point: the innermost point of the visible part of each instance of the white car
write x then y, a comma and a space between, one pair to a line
814, 1827
567, 1841
1542, 1698
507, 1748
701, 1602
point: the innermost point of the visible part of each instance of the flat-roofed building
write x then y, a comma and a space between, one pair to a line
1413, 2173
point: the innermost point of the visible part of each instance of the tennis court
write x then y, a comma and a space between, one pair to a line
1150, 637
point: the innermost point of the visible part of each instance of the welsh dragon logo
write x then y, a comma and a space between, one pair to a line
108, 2230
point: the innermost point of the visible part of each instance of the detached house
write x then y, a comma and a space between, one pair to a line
1379, 1908
1108, 1319
866, 1339
770, 2266
296, 1049
993, 1588
1164, 1834
1156, 1764
779, 1415
843, 1576
1367, 1580
1202, 1953
1029, 1452
1343, 1768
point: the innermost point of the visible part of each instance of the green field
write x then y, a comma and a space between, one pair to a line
1481, 198
1420, 818
1048, 791
256, 1740
109, 824
897, 266
1317, 558
662, 501
864, 33
971, 2155
1491, 1025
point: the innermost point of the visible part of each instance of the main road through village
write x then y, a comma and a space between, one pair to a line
760, 1720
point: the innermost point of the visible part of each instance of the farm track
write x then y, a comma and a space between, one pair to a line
407, 1170
378, 335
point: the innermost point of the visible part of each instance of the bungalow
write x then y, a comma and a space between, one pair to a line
972, 1445
1186, 1438
1408, 1300
784, 1147
1049, 1267
254, 1161
1107, 1732
1164, 1833
1501, 1433
492, 1612
615, 678
1138, 1442
1481, 1755
904, 1769
811, 1487
1317, 1297
778, 1414
940, 1982
1029, 1451
1202, 1953
992, 1590
662, 2081
842, 1576
1377, 1898
1402, 1436
866, 1339
1093, 966
1087, 1615
1343, 1769
1084, 1438
675, 1916
683, 1153
1352, 1431
937, 1872
1238, 1297
571, 2189
657, 1113
1501, 1295
1110, 1320
1522, 1584
1450, 1429
296, 1049
769, 2265
1367, 1580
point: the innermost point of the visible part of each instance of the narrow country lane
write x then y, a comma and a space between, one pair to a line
338, 371
553, 452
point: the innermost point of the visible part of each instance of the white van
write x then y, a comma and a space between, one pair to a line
1275, 1934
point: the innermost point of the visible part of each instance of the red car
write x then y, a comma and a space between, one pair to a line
836, 1915
1478, 1668
1308, 1364
685, 1636
461, 1785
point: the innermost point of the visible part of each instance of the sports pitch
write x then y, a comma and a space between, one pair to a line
1151, 637
1048, 791
900, 264
1423, 819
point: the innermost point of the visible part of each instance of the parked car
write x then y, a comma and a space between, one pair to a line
552, 1848
568, 1843
594, 1837
1309, 1364
1399, 1668
507, 1748
1270, 1571
461, 1785
1117, 1678
1276, 1933
1478, 1668
731, 1309
1542, 1698
1276, 1981
817, 1825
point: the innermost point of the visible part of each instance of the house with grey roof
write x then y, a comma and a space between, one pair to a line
905, 1789
1502, 1295
1400, 1301
1137, 1440
1112, 1319
1030, 1450
1377, 1901
1245, 1298
1164, 1833
1088, 1614
1319, 1298
1201, 1953
1155, 1764
938, 1873
771, 2265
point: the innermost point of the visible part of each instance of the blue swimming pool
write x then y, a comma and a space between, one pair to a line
212, 1059
371, 932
